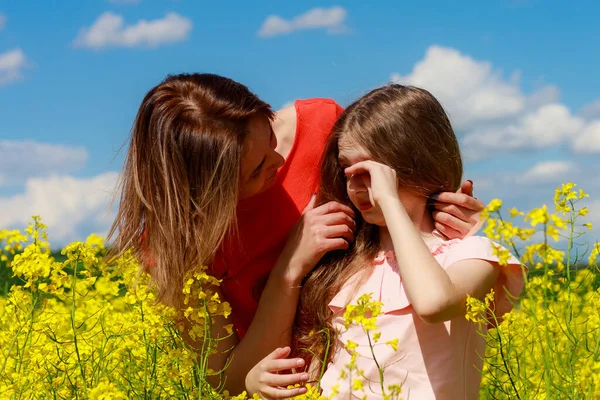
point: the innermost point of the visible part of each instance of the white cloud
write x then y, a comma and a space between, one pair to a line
492, 113
470, 90
588, 141
547, 126
548, 171
22, 159
546, 95
332, 19
12, 64
109, 30
2, 21
591, 110
72, 208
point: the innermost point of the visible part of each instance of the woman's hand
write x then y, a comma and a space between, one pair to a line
264, 379
380, 180
320, 229
458, 214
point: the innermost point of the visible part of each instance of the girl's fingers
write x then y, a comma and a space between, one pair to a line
282, 364
275, 393
280, 352
359, 168
285, 380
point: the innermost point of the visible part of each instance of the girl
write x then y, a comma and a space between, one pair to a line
387, 154
213, 177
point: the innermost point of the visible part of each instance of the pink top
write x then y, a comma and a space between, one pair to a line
433, 361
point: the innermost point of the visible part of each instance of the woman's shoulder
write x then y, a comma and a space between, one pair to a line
317, 107
309, 118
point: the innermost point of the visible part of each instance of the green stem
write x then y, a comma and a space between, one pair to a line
74, 327
379, 369
325, 357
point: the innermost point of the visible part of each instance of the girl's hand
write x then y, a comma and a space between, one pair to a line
458, 215
264, 379
380, 180
320, 230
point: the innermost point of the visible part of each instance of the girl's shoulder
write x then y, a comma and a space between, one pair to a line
472, 247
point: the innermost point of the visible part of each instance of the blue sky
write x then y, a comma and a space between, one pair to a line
519, 79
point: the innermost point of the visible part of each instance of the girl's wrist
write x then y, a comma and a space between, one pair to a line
390, 203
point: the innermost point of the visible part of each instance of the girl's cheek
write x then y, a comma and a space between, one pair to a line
349, 189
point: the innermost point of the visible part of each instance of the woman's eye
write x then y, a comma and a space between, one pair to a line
255, 175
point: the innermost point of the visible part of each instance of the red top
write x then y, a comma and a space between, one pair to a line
265, 220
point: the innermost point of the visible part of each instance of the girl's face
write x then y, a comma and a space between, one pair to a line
359, 186
260, 161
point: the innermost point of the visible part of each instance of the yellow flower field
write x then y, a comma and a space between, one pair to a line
77, 326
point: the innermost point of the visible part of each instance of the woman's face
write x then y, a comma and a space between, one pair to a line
260, 161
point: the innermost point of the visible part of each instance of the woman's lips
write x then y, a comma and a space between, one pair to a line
271, 178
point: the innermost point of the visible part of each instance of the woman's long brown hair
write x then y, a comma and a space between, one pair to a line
405, 128
180, 181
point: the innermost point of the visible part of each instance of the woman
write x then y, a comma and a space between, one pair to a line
213, 177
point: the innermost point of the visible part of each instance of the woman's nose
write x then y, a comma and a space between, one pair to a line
278, 159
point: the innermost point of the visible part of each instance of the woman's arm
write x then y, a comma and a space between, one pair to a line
319, 230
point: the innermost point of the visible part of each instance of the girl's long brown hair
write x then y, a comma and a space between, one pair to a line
180, 181
405, 128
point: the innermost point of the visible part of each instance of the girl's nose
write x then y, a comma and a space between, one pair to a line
357, 183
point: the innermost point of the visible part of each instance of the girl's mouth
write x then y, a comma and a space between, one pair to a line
365, 206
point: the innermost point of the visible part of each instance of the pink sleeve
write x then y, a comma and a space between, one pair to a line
511, 279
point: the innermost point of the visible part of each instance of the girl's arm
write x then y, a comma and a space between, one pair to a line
319, 230
436, 294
